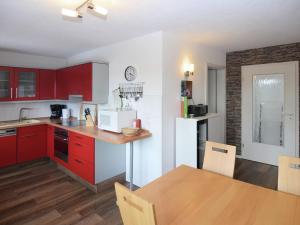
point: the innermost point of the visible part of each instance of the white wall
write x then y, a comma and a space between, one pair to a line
176, 52
30, 61
145, 53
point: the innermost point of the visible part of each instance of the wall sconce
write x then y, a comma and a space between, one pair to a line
189, 70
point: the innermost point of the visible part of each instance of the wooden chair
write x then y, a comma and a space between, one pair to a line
289, 175
219, 158
133, 209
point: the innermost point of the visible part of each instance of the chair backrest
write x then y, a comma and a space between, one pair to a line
133, 209
219, 158
289, 175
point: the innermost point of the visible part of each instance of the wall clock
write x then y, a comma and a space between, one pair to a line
130, 73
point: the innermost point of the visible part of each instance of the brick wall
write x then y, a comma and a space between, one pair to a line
234, 61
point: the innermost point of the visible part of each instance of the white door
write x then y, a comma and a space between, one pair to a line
270, 111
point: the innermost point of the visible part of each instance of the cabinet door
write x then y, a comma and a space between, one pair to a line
87, 81
6, 84
31, 143
8, 151
75, 80
50, 142
47, 84
27, 84
62, 84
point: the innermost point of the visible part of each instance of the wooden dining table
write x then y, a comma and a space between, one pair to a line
188, 196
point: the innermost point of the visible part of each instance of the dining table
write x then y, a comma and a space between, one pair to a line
189, 196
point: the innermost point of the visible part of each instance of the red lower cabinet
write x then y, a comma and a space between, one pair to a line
8, 151
31, 143
82, 156
50, 142
82, 168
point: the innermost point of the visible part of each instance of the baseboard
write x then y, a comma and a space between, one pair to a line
97, 188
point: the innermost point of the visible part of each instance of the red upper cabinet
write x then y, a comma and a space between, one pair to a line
26, 84
6, 84
47, 80
87, 83
61, 84
75, 80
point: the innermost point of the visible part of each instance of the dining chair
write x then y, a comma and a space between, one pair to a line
289, 175
219, 158
134, 210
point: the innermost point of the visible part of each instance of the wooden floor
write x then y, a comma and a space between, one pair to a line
40, 194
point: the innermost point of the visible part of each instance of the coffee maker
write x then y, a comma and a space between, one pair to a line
56, 111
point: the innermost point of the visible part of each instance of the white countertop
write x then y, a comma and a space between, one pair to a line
207, 116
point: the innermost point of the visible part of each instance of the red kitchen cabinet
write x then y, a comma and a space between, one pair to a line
62, 84
6, 83
31, 143
50, 142
47, 84
26, 84
82, 156
82, 168
75, 80
8, 151
87, 82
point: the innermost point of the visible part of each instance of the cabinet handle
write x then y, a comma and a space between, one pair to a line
78, 161
16, 92
78, 137
29, 135
78, 145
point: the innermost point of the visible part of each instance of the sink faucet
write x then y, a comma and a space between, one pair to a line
21, 112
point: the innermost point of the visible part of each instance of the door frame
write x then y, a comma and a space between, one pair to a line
296, 64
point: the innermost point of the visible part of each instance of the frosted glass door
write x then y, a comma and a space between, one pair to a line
26, 84
6, 82
268, 109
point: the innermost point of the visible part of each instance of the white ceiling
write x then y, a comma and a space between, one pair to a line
36, 26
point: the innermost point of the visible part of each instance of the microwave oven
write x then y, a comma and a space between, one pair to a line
115, 120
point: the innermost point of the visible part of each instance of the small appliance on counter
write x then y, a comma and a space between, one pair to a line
115, 120
56, 111
197, 110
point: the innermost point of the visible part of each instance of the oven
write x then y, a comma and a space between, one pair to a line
61, 144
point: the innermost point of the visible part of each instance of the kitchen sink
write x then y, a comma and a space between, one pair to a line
17, 123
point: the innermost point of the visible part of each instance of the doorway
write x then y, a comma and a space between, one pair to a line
216, 101
270, 115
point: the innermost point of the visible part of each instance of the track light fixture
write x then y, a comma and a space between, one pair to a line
90, 5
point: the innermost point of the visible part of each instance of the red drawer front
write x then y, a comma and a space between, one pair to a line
82, 139
82, 168
8, 151
26, 131
82, 151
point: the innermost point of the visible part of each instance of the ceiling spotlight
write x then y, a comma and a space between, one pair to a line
70, 13
89, 3
98, 9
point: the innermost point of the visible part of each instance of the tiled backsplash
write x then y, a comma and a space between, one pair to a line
10, 111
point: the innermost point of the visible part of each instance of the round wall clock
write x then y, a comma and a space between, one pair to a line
130, 73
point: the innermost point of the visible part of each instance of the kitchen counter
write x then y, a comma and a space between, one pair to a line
94, 132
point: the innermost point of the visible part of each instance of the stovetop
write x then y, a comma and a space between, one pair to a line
69, 122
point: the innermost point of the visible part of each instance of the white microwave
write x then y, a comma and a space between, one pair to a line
115, 120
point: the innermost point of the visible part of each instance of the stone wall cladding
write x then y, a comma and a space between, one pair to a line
234, 62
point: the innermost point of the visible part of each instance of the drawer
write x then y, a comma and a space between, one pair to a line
81, 139
82, 168
30, 130
82, 151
